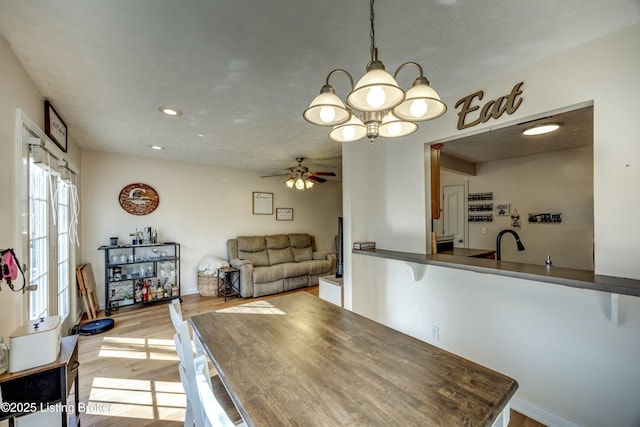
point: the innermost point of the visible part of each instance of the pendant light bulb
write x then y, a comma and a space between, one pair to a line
327, 114
418, 108
353, 130
376, 97
300, 184
394, 129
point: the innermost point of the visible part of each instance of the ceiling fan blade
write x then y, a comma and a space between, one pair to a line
316, 178
323, 173
280, 174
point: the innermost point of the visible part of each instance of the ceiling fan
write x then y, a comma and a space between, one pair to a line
300, 178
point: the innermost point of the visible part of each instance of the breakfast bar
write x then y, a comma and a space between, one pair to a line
299, 360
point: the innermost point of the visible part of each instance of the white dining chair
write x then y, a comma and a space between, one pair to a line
195, 411
175, 311
214, 413
194, 414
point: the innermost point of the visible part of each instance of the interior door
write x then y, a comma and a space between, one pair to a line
454, 219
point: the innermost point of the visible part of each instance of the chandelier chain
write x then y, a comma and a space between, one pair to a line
372, 32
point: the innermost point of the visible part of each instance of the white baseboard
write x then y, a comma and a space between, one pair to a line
540, 415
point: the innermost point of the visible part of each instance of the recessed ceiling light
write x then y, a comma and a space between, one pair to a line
156, 147
170, 111
541, 129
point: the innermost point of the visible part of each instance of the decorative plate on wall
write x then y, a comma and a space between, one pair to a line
139, 199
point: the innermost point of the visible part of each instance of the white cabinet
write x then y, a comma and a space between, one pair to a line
331, 289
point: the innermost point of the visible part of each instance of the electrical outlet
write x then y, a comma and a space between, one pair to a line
484, 230
435, 333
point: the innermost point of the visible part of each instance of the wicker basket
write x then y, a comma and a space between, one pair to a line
207, 285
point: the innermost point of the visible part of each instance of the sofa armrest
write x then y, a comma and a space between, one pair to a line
237, 262
246, 276
329, 256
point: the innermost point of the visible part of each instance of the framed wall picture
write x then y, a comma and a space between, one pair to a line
284, 214
262, 203
54, 127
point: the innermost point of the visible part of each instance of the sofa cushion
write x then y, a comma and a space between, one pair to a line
302, 254
254, 249
318, 267
267, 274
294, 269
300, 241
277, 241
280, 256
278, 249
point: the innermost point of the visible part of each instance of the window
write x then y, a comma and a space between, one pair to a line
50, 251
63, 248
47, 226
38, 240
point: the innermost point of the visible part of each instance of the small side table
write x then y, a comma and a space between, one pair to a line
229, 282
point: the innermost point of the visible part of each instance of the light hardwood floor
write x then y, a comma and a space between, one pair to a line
129, 375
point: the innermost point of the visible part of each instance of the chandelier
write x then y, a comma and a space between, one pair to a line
376, 106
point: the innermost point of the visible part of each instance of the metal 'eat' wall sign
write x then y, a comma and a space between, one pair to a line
492, 109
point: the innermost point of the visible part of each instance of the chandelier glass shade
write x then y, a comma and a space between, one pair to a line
376, 105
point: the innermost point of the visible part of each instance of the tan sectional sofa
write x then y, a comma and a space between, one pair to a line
278, 263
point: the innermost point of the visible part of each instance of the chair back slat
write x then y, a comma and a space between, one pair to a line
215, 416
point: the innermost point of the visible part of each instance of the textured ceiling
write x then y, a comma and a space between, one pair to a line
243, 71
576, 130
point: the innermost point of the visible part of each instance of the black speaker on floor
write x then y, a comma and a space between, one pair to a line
340, 250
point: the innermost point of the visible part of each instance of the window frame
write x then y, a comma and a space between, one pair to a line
27, 133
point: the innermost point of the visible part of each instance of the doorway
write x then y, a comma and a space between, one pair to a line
454, 221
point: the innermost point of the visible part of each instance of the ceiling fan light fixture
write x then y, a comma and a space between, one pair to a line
300, 178
541, 129
299, 183
375, 95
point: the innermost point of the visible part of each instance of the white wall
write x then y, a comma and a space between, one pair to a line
17, 91
200, 207
560, 181
586, 370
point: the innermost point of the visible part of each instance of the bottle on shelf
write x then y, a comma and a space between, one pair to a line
151, 293
138, 293
159, 290
145, 291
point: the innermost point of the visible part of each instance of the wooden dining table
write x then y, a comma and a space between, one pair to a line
297, 360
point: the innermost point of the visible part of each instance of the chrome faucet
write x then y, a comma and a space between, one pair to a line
499, 238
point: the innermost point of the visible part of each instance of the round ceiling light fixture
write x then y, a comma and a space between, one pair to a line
541, 129
156, 147
170, 111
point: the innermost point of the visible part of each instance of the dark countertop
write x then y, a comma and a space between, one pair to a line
468, 252
574, 278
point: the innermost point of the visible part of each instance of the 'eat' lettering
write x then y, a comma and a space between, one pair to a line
492, 109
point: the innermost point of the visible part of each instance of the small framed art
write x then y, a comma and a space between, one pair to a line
284, 214
262, 203
54, 127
